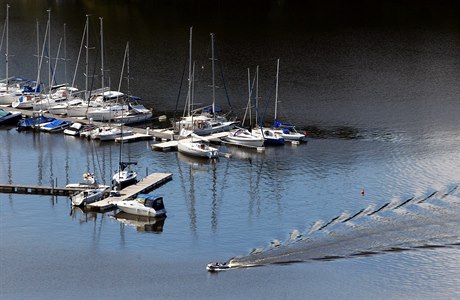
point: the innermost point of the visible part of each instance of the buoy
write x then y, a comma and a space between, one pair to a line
362, 192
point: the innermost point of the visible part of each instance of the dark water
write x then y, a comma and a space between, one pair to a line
379, 86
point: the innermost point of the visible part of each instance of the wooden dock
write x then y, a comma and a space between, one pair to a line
37, 190
133, 138
145, 185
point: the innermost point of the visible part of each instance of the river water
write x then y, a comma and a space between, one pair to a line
380, 99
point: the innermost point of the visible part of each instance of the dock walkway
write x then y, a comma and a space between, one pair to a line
37, 190
146, 184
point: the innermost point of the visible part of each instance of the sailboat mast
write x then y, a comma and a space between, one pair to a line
102, 53
257, 97
6, 49
49, 51
38, 45
189, 96
213, 83
276, 89
65, 55
86, 61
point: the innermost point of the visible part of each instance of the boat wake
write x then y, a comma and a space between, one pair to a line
428, 221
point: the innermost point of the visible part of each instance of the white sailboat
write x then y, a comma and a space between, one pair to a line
287, 131
206, 123
269, 135
8, 92
242, 136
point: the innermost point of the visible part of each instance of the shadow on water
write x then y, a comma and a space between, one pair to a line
429, 221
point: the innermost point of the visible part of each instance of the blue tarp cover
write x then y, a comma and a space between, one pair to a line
34, 121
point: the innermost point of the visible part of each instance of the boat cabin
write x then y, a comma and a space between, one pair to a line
151, 201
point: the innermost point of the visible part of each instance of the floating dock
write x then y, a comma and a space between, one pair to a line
134, 138
37, 190
146, 184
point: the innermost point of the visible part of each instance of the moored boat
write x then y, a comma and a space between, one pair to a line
243, 137
197, 149
33, 122
9, 117
149, 205
89, 195
124, 176
55, 126
92, 191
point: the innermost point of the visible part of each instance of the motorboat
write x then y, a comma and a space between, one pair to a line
125, 176
9, 117
92, 191
243, 137
149, 205
216, 266
288, 132
74, 129
33, 122
55, 126
197, 149
89, 195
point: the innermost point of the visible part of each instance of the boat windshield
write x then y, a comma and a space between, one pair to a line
156, 204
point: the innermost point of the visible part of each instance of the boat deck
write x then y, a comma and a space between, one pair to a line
146, 184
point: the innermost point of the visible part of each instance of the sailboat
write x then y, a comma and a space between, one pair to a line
208, 122
189, 146
92, 191
269, 135
8, 92
287, 131
241, 136
125, 176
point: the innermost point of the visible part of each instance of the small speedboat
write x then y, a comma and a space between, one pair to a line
216, 266
149, 205
74, 129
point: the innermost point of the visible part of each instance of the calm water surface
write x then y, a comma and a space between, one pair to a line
395, 89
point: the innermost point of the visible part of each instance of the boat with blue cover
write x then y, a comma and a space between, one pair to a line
33, 122
55, 126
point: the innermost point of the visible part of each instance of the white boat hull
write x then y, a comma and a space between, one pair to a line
131, 207
89, 196
243, 137
197, 149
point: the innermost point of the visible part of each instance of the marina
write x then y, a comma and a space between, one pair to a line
367, 206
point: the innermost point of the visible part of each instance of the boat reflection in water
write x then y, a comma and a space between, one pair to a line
142, 223
83, 214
